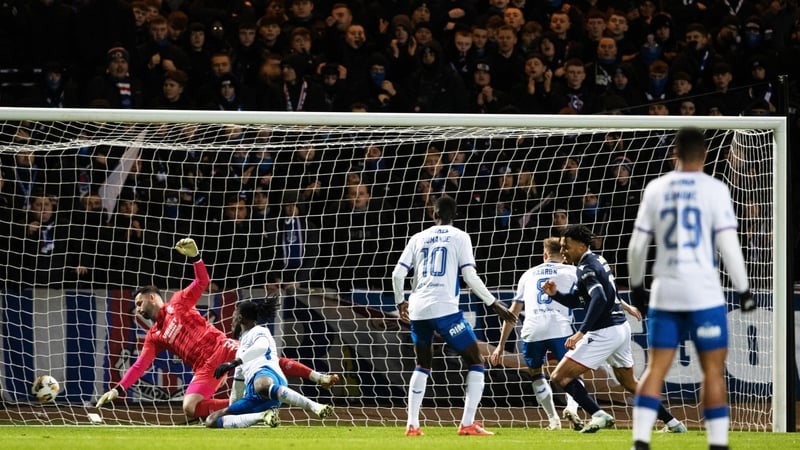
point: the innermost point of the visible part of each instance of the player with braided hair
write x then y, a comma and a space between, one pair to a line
259, 384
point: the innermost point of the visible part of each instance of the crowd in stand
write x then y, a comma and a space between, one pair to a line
342, 216
495, 56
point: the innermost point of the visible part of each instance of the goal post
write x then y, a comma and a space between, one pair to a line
185, 170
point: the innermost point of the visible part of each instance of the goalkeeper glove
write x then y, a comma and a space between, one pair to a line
746, 301
640, 298
188, 248
109, 396
223, 368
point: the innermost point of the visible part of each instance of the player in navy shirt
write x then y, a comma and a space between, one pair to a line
605, 334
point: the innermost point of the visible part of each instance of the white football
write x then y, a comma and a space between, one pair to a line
46, 388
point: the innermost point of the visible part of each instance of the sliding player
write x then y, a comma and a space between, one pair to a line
690, 216
263, 386
546, 327
179, 328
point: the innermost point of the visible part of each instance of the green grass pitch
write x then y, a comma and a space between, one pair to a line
355, 438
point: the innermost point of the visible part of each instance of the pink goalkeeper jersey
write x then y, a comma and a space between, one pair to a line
180, 329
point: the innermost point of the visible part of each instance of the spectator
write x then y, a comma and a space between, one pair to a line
236, 244
460, 55
228, 97
626, 86
297, 92
423, 34
56, 89
434, 86
381, 95
173, 92
334, 88
247, 53
116, 88
336, 24
698, 57
658, 80
661, 28
158, 56
41, 263
624, 196
301, 14
532, 96
483, 47
617, 28
726, 97
86, 254
129, 233
362, 240
602, 70
595, 28
177, 23
507, 63
199, 54
573, 93
139, 9
485, 98
529, 37
564, 46
291, 248
761, 87
687, 107
402, 47
270, 35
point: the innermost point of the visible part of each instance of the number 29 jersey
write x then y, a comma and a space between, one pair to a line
683, 211
436, 255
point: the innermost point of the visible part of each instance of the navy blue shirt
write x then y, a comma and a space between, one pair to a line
596, 286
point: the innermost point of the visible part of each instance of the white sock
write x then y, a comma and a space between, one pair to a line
291, 397
643, 420
474, 392
241, 420
717, 430
673, 422
315, 376
544, 395
572, 405
416, 393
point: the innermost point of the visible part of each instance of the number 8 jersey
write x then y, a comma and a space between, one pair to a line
437, 255
683, 211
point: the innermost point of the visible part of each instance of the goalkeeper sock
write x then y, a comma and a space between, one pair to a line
293, 368
717, 422
240, 421
645, 410
576, 389
209, 405
544, 395
416, 393
289, 396
474, 392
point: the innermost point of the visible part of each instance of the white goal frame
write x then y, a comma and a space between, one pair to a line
781, 286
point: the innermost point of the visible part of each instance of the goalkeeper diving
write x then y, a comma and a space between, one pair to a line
179, 328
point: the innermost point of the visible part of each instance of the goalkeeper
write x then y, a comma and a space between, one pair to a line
179, 328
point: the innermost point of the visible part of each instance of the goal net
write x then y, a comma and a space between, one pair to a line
316, 209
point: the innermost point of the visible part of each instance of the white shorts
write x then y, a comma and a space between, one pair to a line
611, 344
